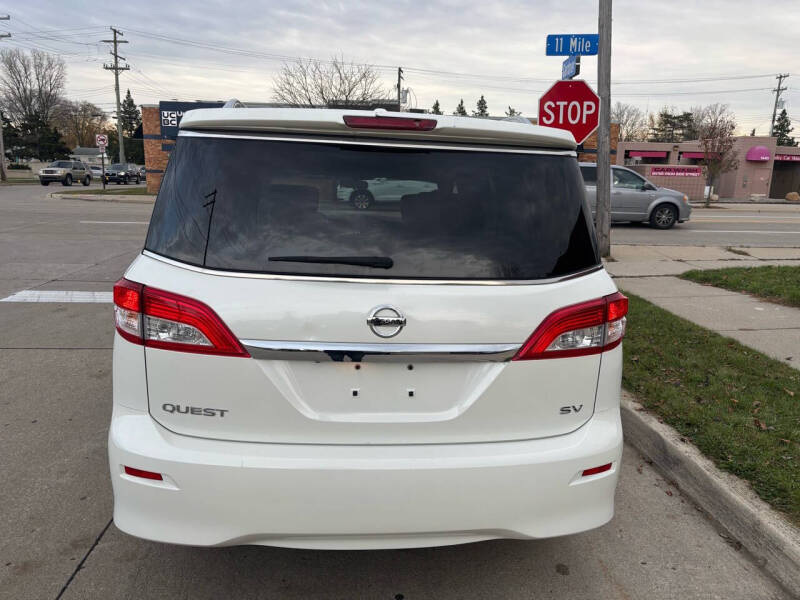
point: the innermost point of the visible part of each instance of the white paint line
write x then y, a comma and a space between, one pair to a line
57, 296
115, 222
755, 217
741, 231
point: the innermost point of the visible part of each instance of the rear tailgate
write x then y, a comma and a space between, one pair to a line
400, 401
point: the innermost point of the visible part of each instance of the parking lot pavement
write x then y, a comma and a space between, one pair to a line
55, 388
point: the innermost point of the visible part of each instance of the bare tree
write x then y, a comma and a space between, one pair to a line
715, 131
632, 122
30, 84
79, 122
321, 83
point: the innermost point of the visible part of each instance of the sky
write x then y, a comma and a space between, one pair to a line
675, 53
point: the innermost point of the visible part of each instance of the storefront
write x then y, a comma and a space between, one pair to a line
764, 169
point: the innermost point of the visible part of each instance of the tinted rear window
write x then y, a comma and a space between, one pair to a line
589, 174
287, 207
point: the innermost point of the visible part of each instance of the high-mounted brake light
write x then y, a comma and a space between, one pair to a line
587, 328
394, 123
161, 319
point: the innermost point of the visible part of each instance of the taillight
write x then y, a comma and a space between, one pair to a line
394, 123
161, 319
586, 328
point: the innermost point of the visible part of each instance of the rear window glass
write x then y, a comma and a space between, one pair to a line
589, 174
344, 210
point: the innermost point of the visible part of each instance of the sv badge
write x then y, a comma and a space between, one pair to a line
566, 410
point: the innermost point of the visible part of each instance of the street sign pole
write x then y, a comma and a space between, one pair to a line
103, 165
603, 223
101, 141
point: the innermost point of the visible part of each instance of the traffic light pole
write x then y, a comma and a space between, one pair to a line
603, 219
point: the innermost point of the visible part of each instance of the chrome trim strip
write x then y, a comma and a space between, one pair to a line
275, 276
346, 352
373, 142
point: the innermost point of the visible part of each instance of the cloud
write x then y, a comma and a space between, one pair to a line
449, 50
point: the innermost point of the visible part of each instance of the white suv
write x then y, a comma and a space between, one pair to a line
291, 370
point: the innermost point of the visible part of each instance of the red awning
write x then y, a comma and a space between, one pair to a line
758, 154
648, 153
699, 154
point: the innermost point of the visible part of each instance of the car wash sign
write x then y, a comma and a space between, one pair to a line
171, 114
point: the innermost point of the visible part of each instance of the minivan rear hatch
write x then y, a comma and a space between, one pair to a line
380, 289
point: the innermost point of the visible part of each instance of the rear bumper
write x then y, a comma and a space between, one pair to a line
218, 493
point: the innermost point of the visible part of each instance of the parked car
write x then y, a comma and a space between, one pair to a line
123, 173
363, 194
66, 172
97, 171
444, 370
634, 198
142, 173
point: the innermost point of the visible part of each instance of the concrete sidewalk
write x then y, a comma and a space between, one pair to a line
769, 328
645, 261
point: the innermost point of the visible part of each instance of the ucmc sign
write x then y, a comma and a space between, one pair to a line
570, 105
171, 114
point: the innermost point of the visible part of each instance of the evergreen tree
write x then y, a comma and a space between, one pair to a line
673, 127
11, 138
783, 127
436, 110
131, 117
512, 112
460, 110
482, 109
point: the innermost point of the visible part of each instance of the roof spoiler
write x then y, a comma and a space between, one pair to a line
233, 103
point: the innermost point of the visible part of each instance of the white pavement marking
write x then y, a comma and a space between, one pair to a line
762, 217
740, 231
59, 296
116, 222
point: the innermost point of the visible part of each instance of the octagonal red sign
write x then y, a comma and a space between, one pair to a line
570, 105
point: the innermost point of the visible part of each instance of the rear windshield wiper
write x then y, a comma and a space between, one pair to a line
376, 262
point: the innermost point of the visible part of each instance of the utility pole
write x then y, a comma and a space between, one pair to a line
116, 68
777, 91
3, 175
399, 83
604, 131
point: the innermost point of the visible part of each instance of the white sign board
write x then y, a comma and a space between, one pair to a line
101, 140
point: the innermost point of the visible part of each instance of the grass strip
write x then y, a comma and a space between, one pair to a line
772, 283
738, 406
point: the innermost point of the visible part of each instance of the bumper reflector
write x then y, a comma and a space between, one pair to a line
143, 474
596, 470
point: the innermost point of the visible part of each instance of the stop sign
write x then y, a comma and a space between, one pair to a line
570, 105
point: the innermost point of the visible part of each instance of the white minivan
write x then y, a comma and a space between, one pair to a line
292, 370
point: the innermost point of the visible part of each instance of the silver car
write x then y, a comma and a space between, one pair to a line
65, 171
634, 198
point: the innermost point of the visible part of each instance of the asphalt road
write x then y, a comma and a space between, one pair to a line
733, 225
56, 534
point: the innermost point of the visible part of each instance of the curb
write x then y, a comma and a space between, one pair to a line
729, 501
105, 198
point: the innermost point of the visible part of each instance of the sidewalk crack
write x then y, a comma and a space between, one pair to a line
83, 560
